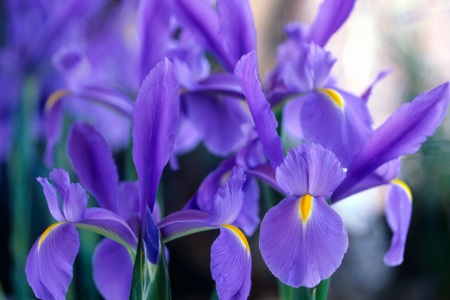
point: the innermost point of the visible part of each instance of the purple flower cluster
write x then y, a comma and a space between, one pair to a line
197, 67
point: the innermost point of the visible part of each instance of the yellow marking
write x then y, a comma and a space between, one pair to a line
55, 97
305, 206
47, 232
334, 96
404, 186
239, 234
224, 178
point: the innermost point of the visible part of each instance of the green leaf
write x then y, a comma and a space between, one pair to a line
150, 281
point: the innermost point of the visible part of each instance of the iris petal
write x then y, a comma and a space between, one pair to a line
231, 264
398, 214
302, 252
49, 263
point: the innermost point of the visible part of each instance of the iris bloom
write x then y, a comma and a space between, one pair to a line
310, 176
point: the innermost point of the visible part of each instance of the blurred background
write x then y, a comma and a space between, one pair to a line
409, 37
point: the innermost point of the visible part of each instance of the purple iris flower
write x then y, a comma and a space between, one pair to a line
310, 174
230, 253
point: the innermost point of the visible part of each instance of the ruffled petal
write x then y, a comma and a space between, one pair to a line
52, 199
228, 199
155, 123
93, 162
310, 169
49, 263
113, 270
263, 117
302, 240
398, 214
74, 202
231, 264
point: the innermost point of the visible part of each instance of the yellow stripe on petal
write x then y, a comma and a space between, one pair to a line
305, 207
404, 186
47, 232
55, 97
334, 96
239, 234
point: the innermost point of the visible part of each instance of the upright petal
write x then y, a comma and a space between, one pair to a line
236, 27
113, 269
231, 264
74, 202
49, 263
310, 169
228, 199
61, 179
151, 238
332, 14
52, 199
93, 162
403, 133
154, 29
398, 214
155, 122
302, 242
264, 118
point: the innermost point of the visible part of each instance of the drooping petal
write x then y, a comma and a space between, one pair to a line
231, 264
398, 214
336, 120
310, 169
155, 122
113, 270
332, 14
93, 162
52, 199
403, 133
108, 224
236, 28
221, 130
263, 117
228, 199
49, 263
74, 202
302, 240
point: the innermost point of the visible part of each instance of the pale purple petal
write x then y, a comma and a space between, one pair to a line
61, 179
263, 117
310, 169
398, 214
53, 118
236, 27
298, 252
74, 202
49, 263
52, 199
403, 133
248, 218
366, 95
108, 224
291, 118
332, 14
113, 270
342, 130
93, 162
231, 264
187, 137
221, 130
155, 123
228, 199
